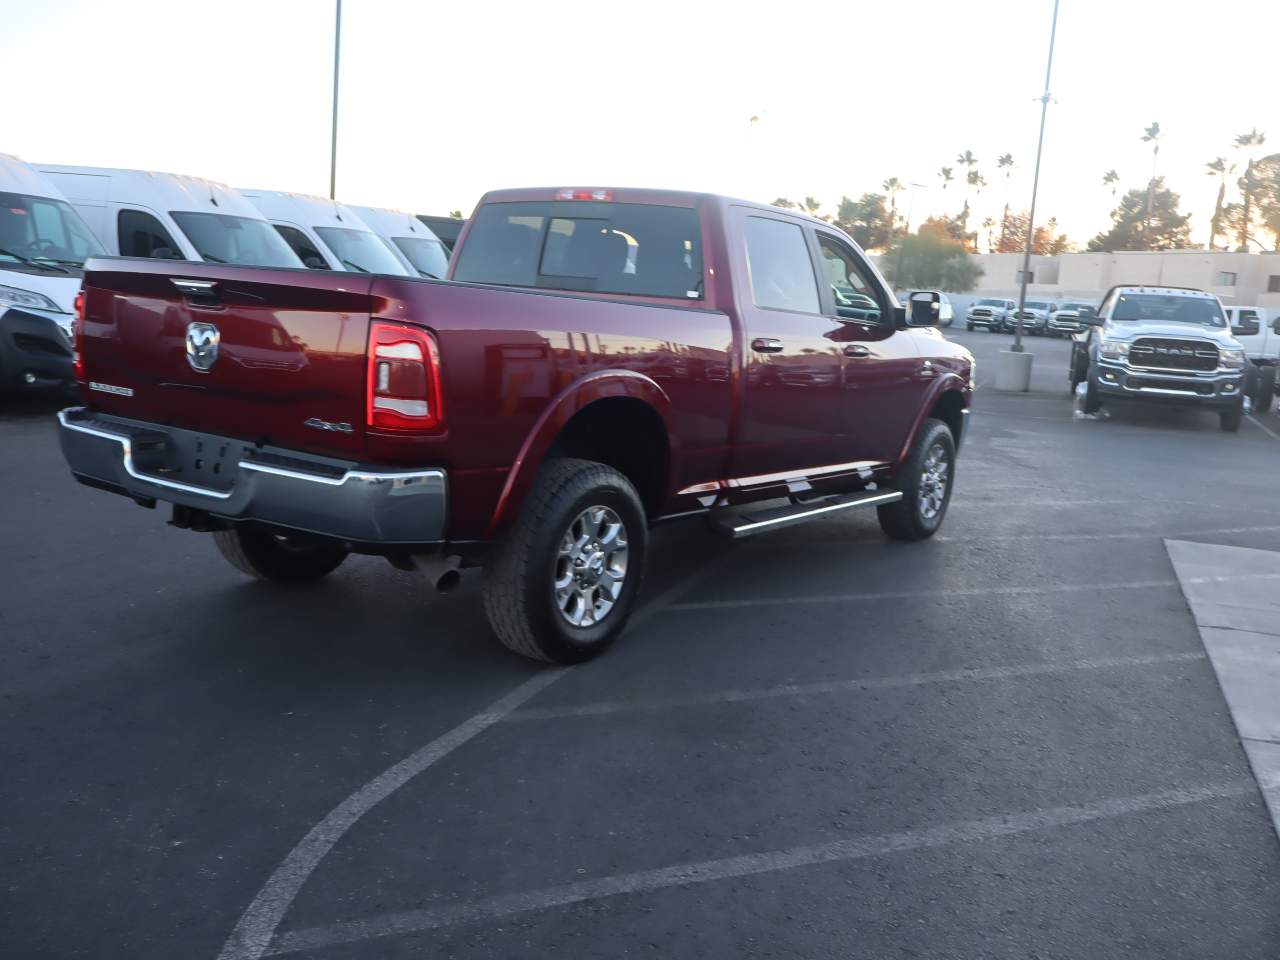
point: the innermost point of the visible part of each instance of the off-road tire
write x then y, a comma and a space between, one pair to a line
905, 519
519, 597
1266, 390
1230, 420
1093, 396
282, 559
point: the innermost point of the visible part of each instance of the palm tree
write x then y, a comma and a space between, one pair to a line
1151, 136
987, 224
1248, 185
946, 174
1110, 179
810, 206
967, 162
893, 186
1005, 163
1218, 167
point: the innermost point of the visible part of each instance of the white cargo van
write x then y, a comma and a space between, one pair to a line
325, 234
168, 216
410, 238
43, 247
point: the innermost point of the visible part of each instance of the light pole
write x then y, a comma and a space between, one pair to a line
1014, 370
333, 140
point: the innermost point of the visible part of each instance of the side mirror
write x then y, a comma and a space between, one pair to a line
923, 308
1090, 319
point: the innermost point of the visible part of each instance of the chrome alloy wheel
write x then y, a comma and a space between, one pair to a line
933, 481
591, 566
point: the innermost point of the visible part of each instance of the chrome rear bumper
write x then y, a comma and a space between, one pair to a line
240, 481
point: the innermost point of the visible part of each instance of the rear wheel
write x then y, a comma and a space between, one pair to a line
284, 558
969, 327
925, 481
561, 584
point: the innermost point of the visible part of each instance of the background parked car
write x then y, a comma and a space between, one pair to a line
989, 313
409, 239
1258, 331
1034, 317
170, 216
946, 312
43, 247
1067, 319
327, 235
447, 229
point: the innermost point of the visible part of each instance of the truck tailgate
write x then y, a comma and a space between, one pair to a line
287, 368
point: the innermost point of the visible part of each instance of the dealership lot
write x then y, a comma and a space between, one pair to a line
1006, 741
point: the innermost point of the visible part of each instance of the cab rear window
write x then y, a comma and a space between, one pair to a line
626, 248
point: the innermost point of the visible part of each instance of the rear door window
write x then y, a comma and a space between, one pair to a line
597, 247
781, 269
142, 235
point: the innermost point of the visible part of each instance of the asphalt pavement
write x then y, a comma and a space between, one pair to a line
1005, 742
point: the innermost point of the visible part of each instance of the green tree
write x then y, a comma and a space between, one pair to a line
1110, 179
784, 203
1151, 136
1046, 242
457, 214
1248, 183
892, 187
944, 227
1220, 168
1267, 171
947, 175
1005, 163
968, 162
1165, 228
927, 260
867, 220
810, 206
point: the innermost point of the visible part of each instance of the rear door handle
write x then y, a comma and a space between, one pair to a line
766, 345
857, 350
926, 370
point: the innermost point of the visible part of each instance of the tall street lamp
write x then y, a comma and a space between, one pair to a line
333, 140
1013, 371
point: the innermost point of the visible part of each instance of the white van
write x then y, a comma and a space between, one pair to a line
325, 234
168, 216
411, 239
43, 247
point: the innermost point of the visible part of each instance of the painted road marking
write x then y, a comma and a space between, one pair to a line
257, 926
845, 686
1261, 426
945, 593
708, 871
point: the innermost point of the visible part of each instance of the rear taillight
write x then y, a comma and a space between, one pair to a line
77, 337
404, 378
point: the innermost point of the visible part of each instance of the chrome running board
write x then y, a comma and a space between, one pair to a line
736, 524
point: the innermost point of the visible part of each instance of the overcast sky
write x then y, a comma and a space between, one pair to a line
442, 100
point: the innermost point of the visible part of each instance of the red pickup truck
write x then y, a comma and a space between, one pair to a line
598, 360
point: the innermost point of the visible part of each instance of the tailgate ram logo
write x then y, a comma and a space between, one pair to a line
202, 345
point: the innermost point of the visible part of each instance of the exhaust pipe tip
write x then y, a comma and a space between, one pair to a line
448, 580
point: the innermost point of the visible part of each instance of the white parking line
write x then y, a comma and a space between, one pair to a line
256, 928
946, 593
1261, 426
708, 871
845, 686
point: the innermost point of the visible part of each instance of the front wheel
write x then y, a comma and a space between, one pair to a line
284, 558
563, 580
925, 481
1230, 420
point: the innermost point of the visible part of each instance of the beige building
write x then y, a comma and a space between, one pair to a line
1238, 278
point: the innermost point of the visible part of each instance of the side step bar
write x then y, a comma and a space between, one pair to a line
738, 525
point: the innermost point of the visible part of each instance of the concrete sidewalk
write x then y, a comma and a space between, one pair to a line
1234, 595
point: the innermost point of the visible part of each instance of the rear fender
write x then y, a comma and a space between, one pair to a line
573, 398
947, 382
